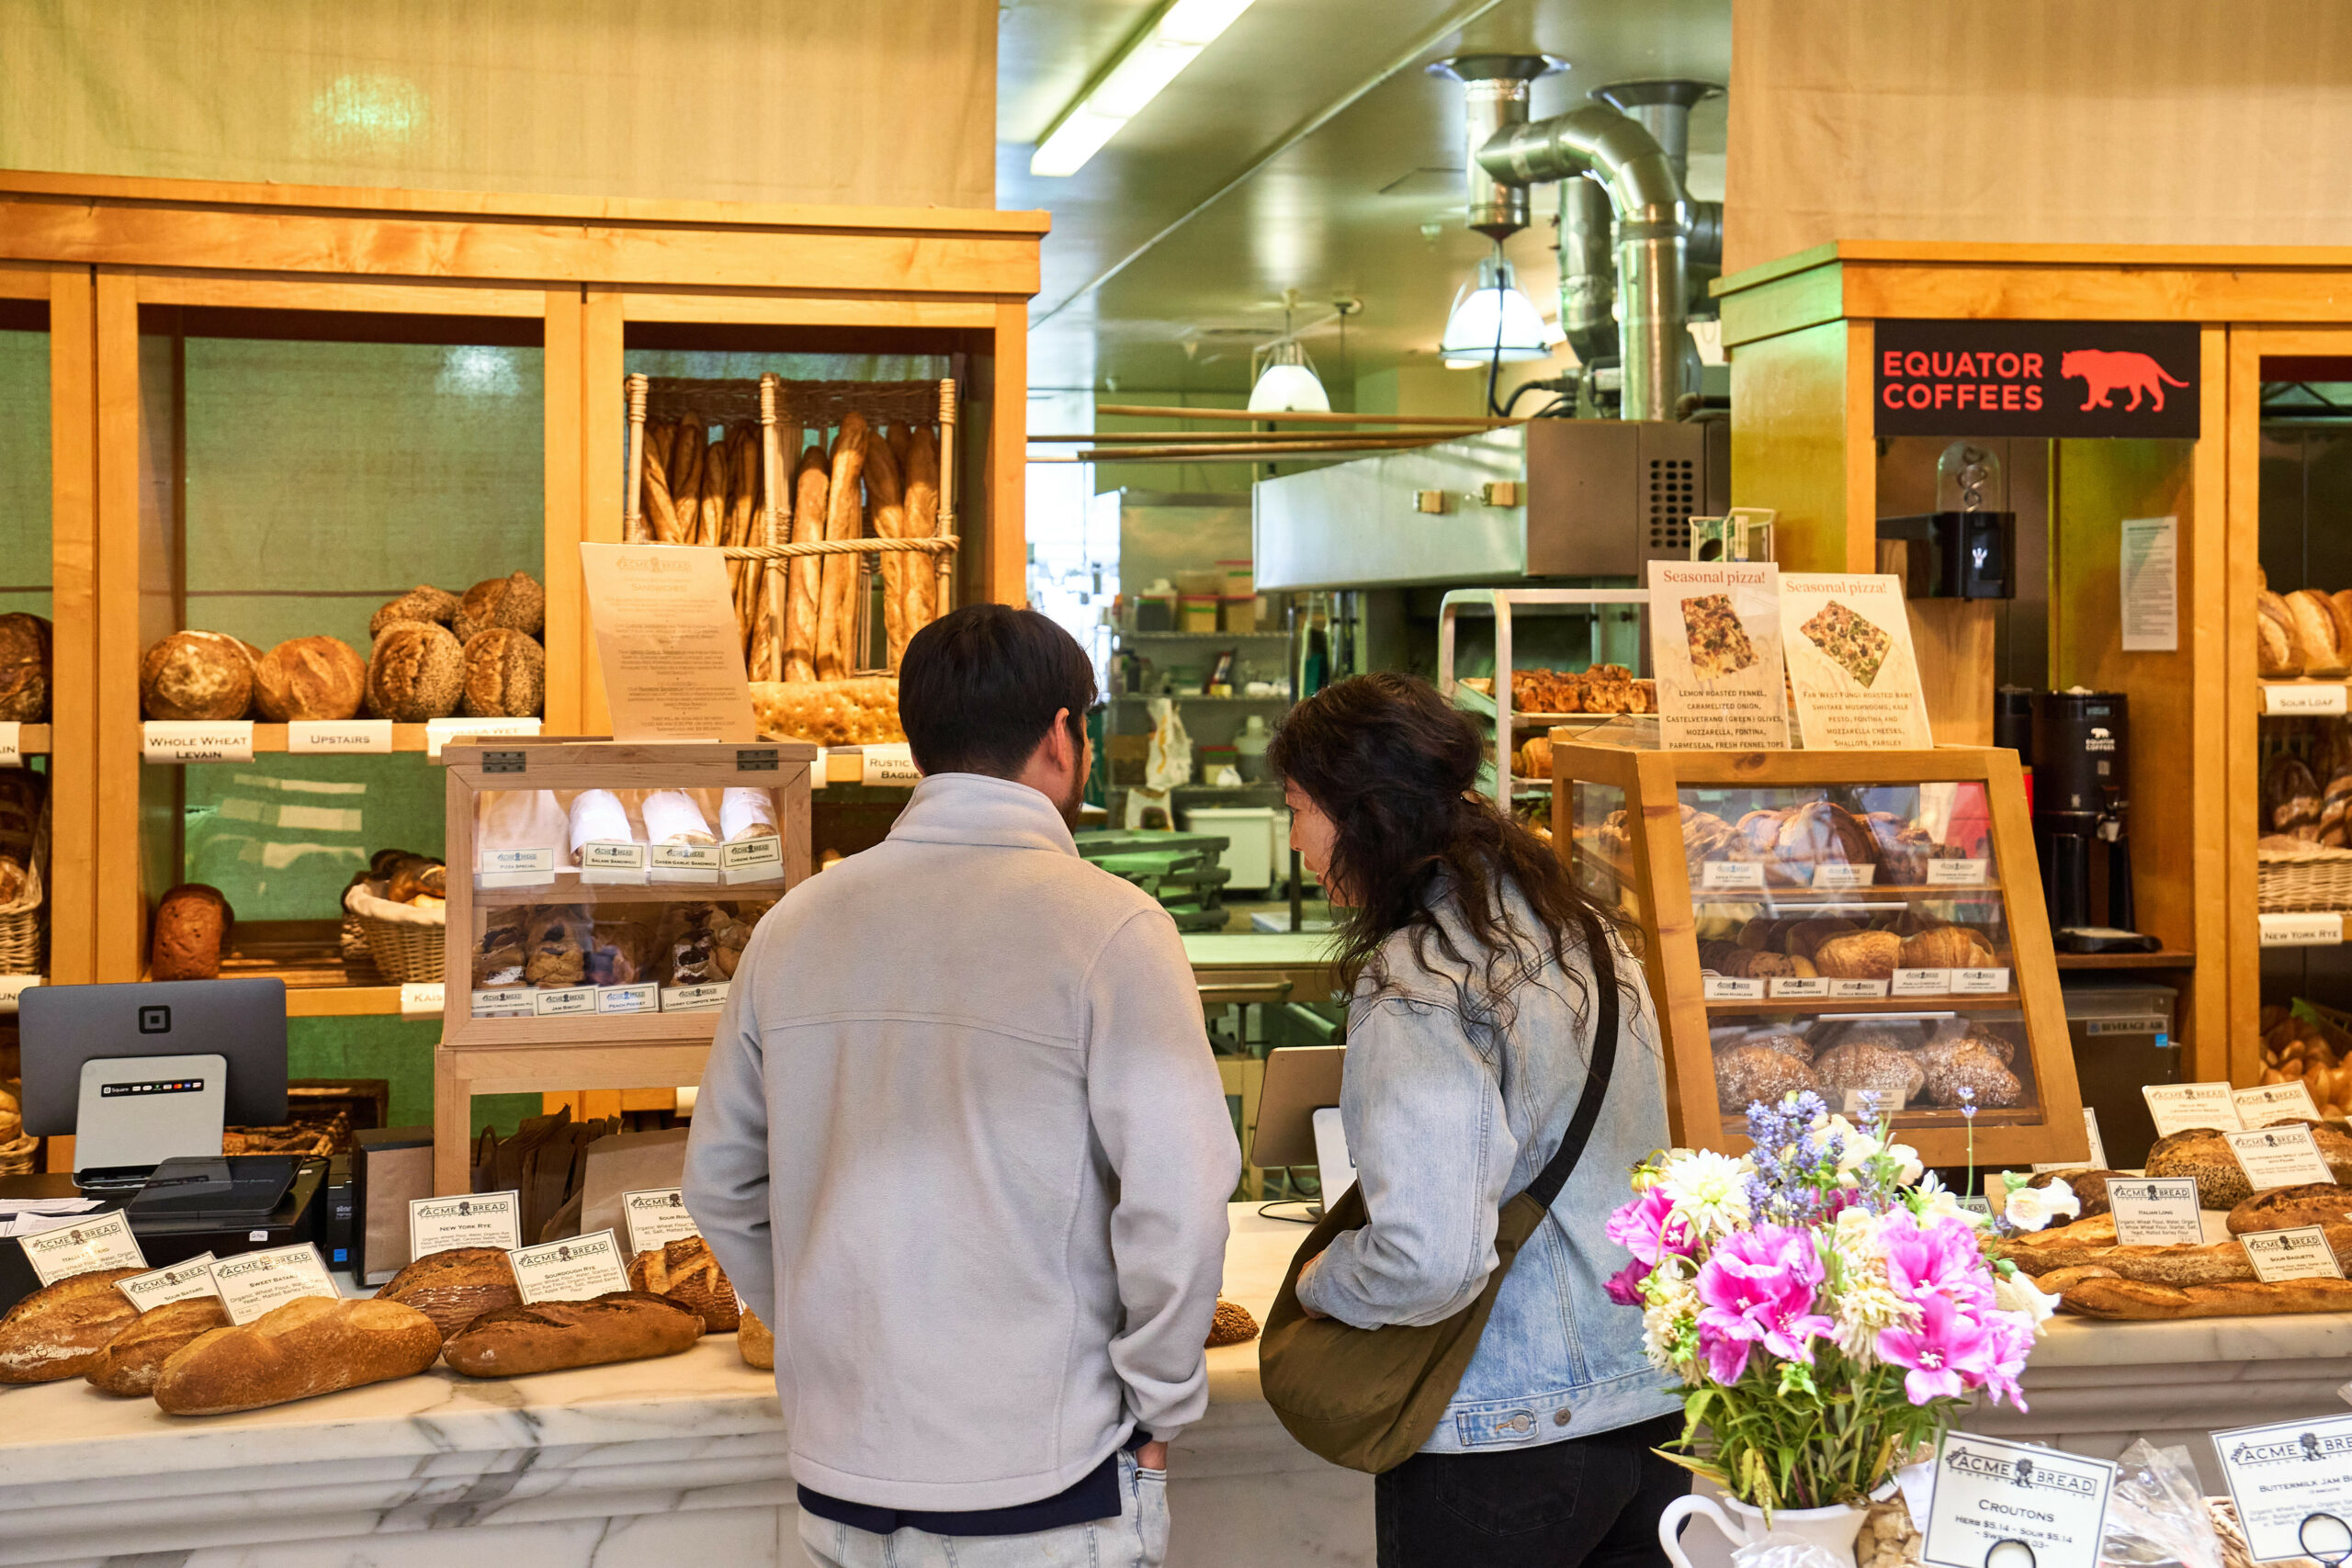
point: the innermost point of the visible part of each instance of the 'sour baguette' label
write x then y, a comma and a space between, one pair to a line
477, 1219
2302, 1253
570, 1270
656, 1216
196, 740
180, 1282
2279, 1157
327, 736
251, 1283
77, 1247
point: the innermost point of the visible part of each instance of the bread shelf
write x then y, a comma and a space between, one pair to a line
572, 890
1814, 897
1906, 1007
2163, 958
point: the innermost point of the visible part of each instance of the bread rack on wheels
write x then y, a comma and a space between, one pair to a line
1867, 925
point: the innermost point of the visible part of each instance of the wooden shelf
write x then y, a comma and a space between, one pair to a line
1771, 895
1826, 1005
570, 890
2163, 958
343, 1001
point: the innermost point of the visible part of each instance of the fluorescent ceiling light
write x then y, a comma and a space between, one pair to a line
1155, 57
1492, 320
1288, 384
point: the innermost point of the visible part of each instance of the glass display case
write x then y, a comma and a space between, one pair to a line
1865, 925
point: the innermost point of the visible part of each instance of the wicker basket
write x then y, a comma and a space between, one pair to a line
23, 922
406, 942
2304, 881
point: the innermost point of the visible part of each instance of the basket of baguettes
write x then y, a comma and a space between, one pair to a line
2095, 1276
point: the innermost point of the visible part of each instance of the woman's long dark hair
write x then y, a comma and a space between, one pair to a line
1395, 766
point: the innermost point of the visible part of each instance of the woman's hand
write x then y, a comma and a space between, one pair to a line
1305, 1275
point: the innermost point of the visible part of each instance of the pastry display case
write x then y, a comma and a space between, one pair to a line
600, 896
1867, 925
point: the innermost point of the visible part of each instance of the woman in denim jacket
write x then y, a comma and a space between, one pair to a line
1463, 937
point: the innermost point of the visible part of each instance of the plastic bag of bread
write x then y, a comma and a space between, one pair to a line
675, 817
555, 946
621, 952
519, 819
1747, 1074
863, 711
747, 813
598, 816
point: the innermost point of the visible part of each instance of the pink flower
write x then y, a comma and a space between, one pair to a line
1939, 1260
1624, 1287
1647, 1227
2012, 1341
1757, 1288
1948, 1354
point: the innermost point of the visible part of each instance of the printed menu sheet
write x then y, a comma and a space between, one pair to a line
666, 638
1715, 649
1850, 664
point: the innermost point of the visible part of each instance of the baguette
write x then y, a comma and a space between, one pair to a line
2093, 1293
309, 1347
804, 583
922, 472
717, 474
888, 503
134, 1358
546, 1336
837, 603
59, 1331
660, 513
2219, 1263
685, 479
455, 1286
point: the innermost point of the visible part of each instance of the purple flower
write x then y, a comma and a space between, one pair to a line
1757, 1288
1624, 1287
1648, 1227
1935, 1261
1948, 1354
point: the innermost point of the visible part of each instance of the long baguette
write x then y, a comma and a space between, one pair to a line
661, 515
923, 523
806, 581
311, 1345
844, 514
717, 474
2221, 1263
2094, 1293
685, 479
888, 503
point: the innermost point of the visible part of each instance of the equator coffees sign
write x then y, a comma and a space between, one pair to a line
2035, 378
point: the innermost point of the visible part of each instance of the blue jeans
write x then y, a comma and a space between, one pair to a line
1136, 1539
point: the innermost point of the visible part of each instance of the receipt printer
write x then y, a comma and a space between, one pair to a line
225, 1204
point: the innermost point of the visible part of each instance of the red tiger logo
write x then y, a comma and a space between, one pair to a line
2104, 372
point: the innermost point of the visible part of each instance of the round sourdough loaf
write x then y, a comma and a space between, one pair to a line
417, 672
685, 1271
455, 1286
506, 675
310, 678
24, 669
197, 675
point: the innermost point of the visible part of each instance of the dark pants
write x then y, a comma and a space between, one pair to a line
1586, 1503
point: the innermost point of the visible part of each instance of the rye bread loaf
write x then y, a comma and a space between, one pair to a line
2284, 1207
1231, 1324
310, 678
507, 675
685, 1271
134, 1358
455, 1286
2203, 1153
546, 1336
416, 673
192, 926
311, 1345
24, 668
59, 1330
515, 601
197, 675
754, 1343
2097, 1292
434, 606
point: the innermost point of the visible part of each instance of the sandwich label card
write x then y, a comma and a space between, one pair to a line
754, 860
2300, 1252
657, 1216
76, 1246
473, 1219
613, 864
571, 1270
2292, 1484
327, 736
2155, 1211
180, 1282
2176, 1107
1993, 1499
252, 1282
1850, 666
1715, 645
1716, 875
515, 868
687, 863
2279, 1157
2270, 1102
666, 638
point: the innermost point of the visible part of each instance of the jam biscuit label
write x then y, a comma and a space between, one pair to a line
1730, 988
2279, 1157
1955, 873
515, 868
2176, 1107
1921, 983
477, 1219
196, 740
571, 1270
628, 998
507, 1001
693, 998
612, 863
2271, 1102
2292, 1484
754, 860
1855, 990
1798, 986
686, 862
440, 732
252, 1282
1843, 876
655, 1216
1980, 982
78, 1246
570, 1001
2155, 1211
180, 1282
2302, 1253
1716, 875
327, 736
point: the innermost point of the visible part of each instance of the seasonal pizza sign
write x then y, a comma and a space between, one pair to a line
1851, 672
1716, 647
2035, 378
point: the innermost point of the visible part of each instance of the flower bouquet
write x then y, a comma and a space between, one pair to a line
1826, 1305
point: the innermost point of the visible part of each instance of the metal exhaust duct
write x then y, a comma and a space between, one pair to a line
1664, 108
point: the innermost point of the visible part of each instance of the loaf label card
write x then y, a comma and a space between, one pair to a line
2156, 1210
2300, 1252
12, 744
666, 637
2176, 1107
2279, 1157
657, 1216
196, 740
76, 1246
754, 860
2321, 698
515, 868
252, 1282
888, 762
327, 736
1992, 1497
570, 1270
2269, 1102
477, 1219
1850, 666
440, 732
1715, 645
2292, 1484
180, 1282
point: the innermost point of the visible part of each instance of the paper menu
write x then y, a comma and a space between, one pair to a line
666, 639
1715, 650
1851, 670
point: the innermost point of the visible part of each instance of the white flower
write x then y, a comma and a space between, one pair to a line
1672, 1302
2030, 1208
1936, 1201
1906, 1160
1866, 1303
2016, 1293
1709, 1190
1858, 1148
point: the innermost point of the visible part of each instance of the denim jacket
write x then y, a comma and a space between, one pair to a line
1445, 1125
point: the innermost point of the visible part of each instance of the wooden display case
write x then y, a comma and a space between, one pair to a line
1667, 836
585, 1023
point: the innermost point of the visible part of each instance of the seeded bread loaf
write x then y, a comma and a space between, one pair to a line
546, 1336
308, 1346
455, 1286
416, 673
506, 675
310, 678
1746, 1075
2203, 1154
59, 1330
685, 1271
134, 1358
1970, 1067
1231, 1324
2284, 1207
514, 601
433, 605
1861, 1066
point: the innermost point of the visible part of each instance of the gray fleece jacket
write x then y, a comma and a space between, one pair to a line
962, 1144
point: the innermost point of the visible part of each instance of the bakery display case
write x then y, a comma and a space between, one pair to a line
1865, 925
600, 894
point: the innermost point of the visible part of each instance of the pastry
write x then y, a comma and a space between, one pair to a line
685, 1271
310, 1346
1803, 939
59, 1331
506, 675
192, 926
1968, 1065
546, 1336
24, 646
1231, 1324
432, 606
498, 956
197, 675
515, 603
1861, 1066
310, 678
455, 1286
726, 944
413, 876
1747, 1075
754, 1343
417, 672
1859, 956
2286, 1208
1754, 964
1903, 848
620, 956
555, 947
1945, 947
134, 1358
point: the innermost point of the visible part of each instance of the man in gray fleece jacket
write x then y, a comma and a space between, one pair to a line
962, 1144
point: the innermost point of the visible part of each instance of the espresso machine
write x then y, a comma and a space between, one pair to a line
2081, 748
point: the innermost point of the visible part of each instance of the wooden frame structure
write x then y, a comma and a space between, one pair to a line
1663, 901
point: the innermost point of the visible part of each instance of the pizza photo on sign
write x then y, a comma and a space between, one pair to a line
1848, 641
1719, 643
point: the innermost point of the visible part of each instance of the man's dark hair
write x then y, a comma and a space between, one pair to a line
979, 686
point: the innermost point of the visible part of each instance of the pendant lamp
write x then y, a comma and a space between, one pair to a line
1492, 320
1287, 383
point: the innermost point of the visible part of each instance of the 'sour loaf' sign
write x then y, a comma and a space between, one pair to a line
2035, 378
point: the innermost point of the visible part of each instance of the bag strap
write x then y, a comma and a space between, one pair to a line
1554, 1174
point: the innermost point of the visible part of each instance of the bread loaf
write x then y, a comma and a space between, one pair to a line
310, 678
653, 488
197, 675
515, 603
24, 645
1231, 1324
134, 1358
59, 1330
434, 606
1803, 939
455, 1286
2203, 1154
192, 926
685, 1271
922, 472
1749, 1074
413, 876
754, 1343
546, 1336
1859, 956
417, 672
804, 584
2089, 1188
2096, 1293
2284, 1207
837, 654
886, 500
1968, 1066
1945, 947
1861, 1066
2315, 640
309, 1347
506, 675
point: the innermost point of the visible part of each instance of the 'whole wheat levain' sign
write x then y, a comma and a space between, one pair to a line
2035, 378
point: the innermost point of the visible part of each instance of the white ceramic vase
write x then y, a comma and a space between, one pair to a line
1832, 1528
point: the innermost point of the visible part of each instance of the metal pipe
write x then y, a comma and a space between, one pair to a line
1664, 109
1494, 97
1588, 274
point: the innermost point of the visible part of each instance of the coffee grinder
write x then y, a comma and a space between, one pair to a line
2080, 754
